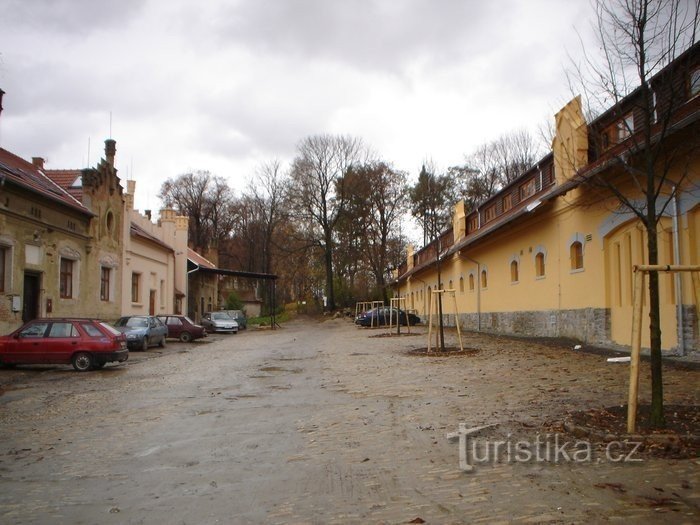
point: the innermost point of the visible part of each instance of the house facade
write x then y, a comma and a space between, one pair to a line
552, 253
59, 256
155, 261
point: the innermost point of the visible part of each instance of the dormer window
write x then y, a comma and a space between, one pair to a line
527, 189
695, 82
625, 127
490, 213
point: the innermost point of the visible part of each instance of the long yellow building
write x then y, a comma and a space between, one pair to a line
552, 253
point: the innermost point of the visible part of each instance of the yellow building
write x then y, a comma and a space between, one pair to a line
552, 253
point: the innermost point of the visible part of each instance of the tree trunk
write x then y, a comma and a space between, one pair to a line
328, 252
657, 419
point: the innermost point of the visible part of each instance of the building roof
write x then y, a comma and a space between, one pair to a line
66, 179
26, 175
199, 260
137, 231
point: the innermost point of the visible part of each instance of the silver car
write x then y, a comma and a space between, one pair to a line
219, 322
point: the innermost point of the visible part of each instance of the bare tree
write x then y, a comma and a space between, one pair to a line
206, 200
637, 77
316, 189
377, 198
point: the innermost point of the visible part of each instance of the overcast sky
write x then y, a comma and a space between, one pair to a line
223, 85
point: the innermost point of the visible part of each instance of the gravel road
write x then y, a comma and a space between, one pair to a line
322, 422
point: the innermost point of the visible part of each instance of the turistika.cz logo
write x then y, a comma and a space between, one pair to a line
547, 448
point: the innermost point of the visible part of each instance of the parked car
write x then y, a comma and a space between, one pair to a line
183, 328
383, 315
84, 343
142, 331
219, 322
240, 318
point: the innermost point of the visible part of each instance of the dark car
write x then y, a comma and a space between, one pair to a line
219, 322
240, 318
383, 315
84, 343
142, 331
183, 328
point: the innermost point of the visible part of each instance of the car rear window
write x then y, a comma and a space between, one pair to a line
92, 330
109, 328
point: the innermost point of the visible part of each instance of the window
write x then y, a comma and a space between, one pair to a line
695, 82
507, 202
162, 293
625, 127
92, 330
539, 265
34, 330
514, 271
449, 286
66, 279
104, 284
576, 254
3, 267
173, 321
63, 330
473, 224
490, 213
109, 221
471, 282
135, 287
461, 284
484, 279
527, 189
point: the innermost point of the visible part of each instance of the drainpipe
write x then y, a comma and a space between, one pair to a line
677, 276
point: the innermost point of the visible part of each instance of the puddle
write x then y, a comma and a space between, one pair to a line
280, 369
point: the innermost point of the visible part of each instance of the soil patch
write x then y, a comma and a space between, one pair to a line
680, 438
450, 351
394, 334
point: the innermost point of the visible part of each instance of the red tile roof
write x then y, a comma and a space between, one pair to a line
199, 260
65, 179
24, 174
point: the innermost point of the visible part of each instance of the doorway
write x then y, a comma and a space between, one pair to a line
32, 290
152, 303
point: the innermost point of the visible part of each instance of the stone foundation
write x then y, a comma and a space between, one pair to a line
590, 325
691, 337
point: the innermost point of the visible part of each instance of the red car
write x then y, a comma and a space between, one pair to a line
84, 343
183, 328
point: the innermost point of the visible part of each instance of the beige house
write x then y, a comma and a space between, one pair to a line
155, 261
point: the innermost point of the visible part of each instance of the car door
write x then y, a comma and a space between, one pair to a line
26, 345
62, 340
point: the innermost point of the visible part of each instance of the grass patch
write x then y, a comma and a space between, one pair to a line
267, 320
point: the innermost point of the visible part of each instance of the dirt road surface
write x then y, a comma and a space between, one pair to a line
324, 422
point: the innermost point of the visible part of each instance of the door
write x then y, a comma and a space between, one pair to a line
30, 308
152, 303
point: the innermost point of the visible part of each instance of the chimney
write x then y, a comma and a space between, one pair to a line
110, 151
147, 213
131, 187
38, 162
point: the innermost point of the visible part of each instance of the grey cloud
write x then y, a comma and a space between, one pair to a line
364, 33
67, 16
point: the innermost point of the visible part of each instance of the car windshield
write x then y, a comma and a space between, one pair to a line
133, 322
221, 316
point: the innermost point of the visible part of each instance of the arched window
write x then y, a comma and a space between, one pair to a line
484, 278
450, 287
539, 265
576, 254
514, 271
471, 282
461, 284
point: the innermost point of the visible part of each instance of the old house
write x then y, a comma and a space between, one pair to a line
59, 256
551, 254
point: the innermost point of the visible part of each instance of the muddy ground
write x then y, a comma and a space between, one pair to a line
323, 422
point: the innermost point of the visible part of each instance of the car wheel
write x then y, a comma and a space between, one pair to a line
144, 344
82, 361
185, 337
162, 342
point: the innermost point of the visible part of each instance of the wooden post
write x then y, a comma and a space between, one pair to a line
459, 332
637, 300
430, 321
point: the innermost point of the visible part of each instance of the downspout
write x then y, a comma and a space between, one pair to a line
677, 276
